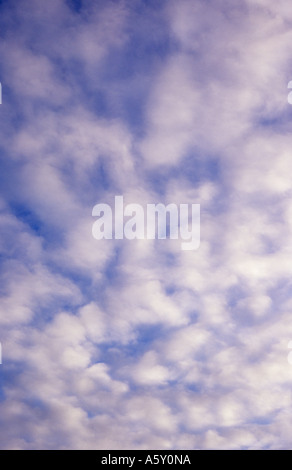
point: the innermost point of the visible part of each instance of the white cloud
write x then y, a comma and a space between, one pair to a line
139, 344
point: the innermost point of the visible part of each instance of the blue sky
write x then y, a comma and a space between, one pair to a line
136, 344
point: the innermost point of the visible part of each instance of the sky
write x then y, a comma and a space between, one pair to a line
137, 344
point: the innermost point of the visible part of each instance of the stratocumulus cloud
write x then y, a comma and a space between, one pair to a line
138, 344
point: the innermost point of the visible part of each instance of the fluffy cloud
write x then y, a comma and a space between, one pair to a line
125, 344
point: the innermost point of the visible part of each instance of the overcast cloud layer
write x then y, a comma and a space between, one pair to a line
119, 344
